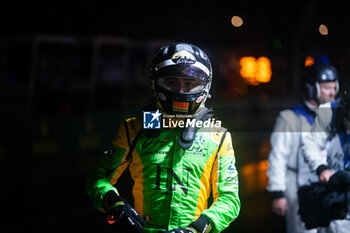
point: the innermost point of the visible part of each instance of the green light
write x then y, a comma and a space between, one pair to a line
277, 43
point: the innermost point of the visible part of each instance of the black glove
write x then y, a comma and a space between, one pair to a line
201, 225
121, 213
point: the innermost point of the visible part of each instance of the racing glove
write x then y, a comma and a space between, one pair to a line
121, 213
201, 225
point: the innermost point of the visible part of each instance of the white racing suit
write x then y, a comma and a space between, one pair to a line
286, 170
327, 146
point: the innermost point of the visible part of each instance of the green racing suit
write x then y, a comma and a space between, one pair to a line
171, 185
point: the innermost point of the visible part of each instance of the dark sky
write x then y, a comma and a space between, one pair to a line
293, 25
181, 20
162, 19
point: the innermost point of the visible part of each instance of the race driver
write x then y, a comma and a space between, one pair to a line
175, 170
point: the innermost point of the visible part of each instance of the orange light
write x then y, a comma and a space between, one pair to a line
248, 67
309, 61
255, 71
323, 29
237, 21
263, 73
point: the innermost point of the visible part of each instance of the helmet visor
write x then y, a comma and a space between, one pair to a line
181, 84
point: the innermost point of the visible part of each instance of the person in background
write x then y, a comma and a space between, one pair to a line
287, 171
175, 170
327, 152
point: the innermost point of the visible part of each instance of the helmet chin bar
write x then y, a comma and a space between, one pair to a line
179, 103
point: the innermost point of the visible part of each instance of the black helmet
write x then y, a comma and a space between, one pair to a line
315, 74
180, 60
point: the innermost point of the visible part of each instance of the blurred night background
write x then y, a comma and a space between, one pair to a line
72, 70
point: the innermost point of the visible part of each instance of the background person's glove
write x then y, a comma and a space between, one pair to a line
121, 213
201, 225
